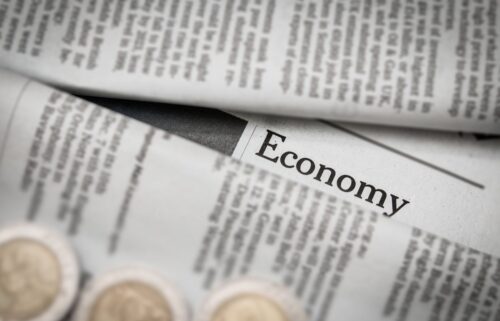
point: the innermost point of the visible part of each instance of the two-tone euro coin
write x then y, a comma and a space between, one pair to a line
39, 274
251, 299
131, 294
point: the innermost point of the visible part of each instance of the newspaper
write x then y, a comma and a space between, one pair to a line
127, 192
445, 183
405, 63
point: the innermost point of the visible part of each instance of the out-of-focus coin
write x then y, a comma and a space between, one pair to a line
251, 299
249, 307
131, 294
130, 301
39, 274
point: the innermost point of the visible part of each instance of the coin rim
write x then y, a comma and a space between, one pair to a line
65, 254
289, 305
93, 289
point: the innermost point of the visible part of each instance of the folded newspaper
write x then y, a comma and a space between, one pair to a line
430, 64
444, 183
126, 192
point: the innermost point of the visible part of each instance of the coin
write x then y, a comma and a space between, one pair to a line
130, 301
249, 307
131, 294
250, 299
38, 274
30, 279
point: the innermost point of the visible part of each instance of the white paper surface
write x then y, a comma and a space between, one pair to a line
444, 176
404, 63
126, 192
450, 181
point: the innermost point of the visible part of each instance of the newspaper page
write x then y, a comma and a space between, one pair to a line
127, 192
432, 64
445, 183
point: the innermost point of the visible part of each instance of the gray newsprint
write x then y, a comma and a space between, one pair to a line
431, 64
126, 192
442, 182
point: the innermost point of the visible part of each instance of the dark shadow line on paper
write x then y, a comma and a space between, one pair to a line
11, 119
403, 154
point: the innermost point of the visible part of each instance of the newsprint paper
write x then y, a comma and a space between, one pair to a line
127, 192
433, 64
444, 183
